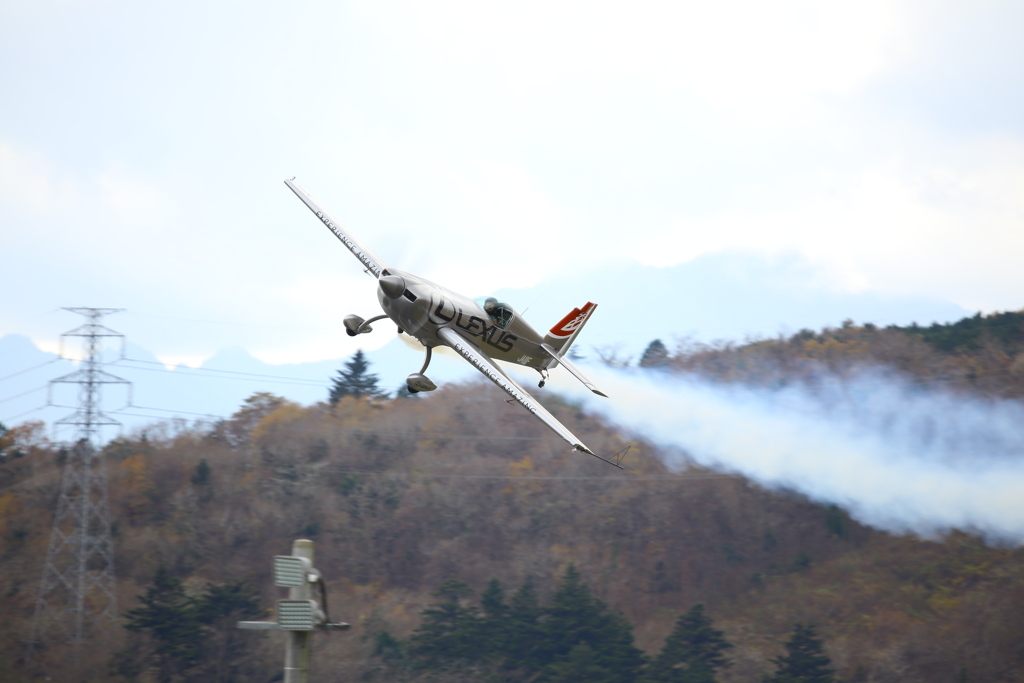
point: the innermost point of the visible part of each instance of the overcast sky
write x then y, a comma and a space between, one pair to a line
484, 145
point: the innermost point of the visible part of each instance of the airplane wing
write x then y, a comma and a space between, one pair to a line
369, 260
482, 362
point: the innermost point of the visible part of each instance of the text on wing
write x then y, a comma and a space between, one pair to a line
348, 242
496, 378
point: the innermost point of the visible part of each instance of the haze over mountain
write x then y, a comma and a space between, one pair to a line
724, 296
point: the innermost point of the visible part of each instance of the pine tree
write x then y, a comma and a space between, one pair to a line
578, 667
805, 660
169, 617
523, 627
691, 652
655, 355
575, 617
450, 630
355, 380
201, 474
226, 651
494, 626
403, 392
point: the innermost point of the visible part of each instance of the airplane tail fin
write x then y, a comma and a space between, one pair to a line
562, 335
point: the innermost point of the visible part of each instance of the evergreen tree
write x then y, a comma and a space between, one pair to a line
805, 660
169, 617
201, 475
579, 667
523, 633
655, 355
450, 630
355, 380
403, 392
575, 617
389, 648
192, 638
691, 652
225, 649
494, 626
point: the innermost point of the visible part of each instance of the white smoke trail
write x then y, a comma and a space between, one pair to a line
894, 456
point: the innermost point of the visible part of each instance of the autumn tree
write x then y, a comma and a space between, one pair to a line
691, 653
23, 439
355, 380
239, 428
805, 660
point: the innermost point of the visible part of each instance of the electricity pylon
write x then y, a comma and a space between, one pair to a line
76, 594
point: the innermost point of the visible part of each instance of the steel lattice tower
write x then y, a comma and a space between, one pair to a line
76, 594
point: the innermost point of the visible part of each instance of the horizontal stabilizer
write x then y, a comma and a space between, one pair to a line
573, 370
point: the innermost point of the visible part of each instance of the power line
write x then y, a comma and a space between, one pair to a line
280, 379
34, 367
25, 393
234, 324
540, 477
121, 411
15, 417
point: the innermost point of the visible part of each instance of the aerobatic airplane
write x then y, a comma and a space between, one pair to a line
480, 330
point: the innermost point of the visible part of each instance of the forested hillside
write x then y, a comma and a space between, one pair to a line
436, 518
983, 355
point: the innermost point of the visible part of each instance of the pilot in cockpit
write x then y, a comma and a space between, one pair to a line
499, 312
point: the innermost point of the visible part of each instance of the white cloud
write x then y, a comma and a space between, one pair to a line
947, 224
737, 54
484, 146
26, 181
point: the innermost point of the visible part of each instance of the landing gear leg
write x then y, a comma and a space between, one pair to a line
365, 327
355, 325
417, 381
543, 378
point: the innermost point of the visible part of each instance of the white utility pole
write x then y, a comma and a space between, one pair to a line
296, 653
302, 613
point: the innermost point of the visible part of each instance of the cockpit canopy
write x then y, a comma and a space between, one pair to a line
501, 313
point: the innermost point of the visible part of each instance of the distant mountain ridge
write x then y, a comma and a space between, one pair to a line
215, 389
731, 295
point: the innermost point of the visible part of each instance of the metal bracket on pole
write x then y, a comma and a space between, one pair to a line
301, 613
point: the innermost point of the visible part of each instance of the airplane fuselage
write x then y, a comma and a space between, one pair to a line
422, 307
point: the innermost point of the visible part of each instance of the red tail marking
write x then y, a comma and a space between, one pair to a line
570, 323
